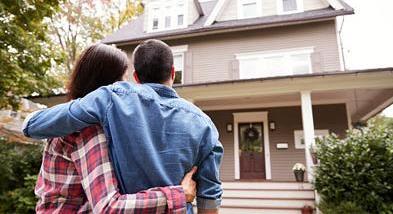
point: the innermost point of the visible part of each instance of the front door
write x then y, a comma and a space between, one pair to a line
251, 151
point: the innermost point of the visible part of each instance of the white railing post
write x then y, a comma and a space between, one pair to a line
308, 130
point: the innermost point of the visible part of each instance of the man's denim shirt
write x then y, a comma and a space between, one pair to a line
154, 136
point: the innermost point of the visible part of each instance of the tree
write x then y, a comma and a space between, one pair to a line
26, 54
80, 23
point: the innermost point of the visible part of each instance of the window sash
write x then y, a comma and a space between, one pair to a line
289, 5
178, 63
277, 64
166, 15
249, 9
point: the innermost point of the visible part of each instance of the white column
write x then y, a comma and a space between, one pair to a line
308, 130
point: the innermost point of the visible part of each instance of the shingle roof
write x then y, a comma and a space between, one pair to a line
133, 32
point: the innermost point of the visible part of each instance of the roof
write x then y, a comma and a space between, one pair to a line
133, 32
298, 76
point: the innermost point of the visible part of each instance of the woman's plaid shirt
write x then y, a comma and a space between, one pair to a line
76, 176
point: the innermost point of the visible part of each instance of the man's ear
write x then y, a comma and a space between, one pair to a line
136, 77
173, 73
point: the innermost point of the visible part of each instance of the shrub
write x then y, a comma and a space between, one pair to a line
20, 164
356, 173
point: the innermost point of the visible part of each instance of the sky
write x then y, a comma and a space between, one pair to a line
368, 36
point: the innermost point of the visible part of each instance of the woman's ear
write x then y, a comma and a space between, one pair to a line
136, 77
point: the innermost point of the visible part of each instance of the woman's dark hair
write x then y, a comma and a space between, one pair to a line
98, 65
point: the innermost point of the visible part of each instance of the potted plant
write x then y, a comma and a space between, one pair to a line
299, 169
307, 210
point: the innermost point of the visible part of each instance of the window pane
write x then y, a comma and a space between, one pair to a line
167, 21
275, 66
155, 23
178, 62
250, 10
180, 19
249, 68
178, 77
301, 63
289, 5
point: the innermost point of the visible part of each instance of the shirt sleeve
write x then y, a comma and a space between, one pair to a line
101, 187
209, 190
67, 118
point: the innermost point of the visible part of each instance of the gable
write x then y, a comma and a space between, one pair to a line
269, 8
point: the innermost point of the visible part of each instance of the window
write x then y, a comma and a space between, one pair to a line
290, 6
249, 8
166, 14
178, 62
180, 20
275, 63
167, 21
299, 137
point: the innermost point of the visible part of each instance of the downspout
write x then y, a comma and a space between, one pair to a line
341, 43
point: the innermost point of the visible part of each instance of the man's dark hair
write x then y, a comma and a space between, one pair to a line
153, 61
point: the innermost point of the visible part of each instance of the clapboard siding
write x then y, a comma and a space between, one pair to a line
287, 119
269, 8
213, 57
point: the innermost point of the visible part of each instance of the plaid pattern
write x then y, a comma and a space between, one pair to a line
76, 176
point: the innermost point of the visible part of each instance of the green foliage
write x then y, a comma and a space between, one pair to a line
18, 174
81, 23
341, 208
25, 51
356, 172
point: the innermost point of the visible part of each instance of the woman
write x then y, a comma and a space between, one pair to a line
76, 175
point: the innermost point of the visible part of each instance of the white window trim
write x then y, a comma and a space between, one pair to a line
251, 117
240, 12
282, 52
280, 7
299, 134
161, 18
181, 50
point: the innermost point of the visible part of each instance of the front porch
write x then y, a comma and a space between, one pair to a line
287, 113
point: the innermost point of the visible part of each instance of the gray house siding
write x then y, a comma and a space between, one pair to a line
212, 58
332, 117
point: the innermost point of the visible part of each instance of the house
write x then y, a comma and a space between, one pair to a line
270, 74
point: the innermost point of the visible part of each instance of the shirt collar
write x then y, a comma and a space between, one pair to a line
163, 90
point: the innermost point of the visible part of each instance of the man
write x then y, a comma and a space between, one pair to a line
154, 136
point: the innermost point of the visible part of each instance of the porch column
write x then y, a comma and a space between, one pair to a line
308, 130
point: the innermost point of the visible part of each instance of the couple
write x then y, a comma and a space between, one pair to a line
119, 147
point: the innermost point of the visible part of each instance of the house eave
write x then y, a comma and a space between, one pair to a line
292, 77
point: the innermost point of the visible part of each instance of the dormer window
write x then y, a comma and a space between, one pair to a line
249, 9
290, 6
166, 14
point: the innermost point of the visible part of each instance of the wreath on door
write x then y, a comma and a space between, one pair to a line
251, 134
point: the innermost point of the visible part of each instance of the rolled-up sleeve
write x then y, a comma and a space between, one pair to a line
209, 190
67, 118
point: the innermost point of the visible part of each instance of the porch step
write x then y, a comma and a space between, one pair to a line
267, 186
266, 197
258, 211
272, 194
266, 203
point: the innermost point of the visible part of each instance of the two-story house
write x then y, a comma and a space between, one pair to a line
270, 75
